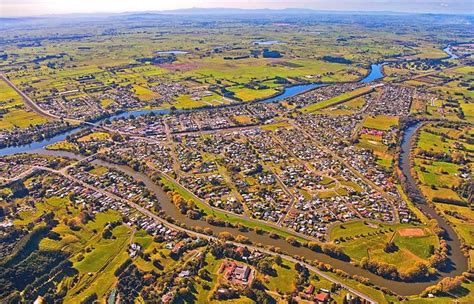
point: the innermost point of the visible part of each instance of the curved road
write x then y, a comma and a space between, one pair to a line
401, 288
156, 218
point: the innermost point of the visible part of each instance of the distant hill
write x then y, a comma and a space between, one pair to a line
239, 11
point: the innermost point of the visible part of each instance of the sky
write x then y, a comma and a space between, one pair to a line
44, 7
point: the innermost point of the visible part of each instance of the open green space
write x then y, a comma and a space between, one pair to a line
346, 97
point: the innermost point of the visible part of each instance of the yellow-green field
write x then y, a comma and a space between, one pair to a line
17, 115
380, 122
338, 99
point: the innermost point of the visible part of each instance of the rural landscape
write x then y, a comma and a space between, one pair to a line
237, 156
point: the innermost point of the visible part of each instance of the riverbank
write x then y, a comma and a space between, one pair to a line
288, 92
458, 263
170, 210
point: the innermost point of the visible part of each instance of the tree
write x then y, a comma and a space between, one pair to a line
265, 266
278, 260
448, 284
314, 246
243, 239
226, 236
390, 247
292, 241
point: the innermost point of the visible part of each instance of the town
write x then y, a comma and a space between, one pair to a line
254, 156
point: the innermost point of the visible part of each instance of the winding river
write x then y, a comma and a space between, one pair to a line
459, 262
374, 74
448, 51
401, 288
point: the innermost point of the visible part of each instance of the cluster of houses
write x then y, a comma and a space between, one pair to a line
20, 136
279, 176
393, 100
144, 125
324, 93
115, 182
267, 171
154, 126
170, 90
14, 166
49, 184
330, 130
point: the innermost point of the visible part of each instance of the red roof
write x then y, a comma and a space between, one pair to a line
322, 297
240, 250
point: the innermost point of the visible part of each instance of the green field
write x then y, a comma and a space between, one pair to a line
380, 122
247, 94
338, 100
16, 114
359, 240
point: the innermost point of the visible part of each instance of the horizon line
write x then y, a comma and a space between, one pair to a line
183, 10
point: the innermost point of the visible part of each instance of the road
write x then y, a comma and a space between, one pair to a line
28, 102
235, 215
158, 219
38, 110
333, 154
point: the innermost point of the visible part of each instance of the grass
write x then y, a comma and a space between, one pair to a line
96, 270
377, 295
439, 178
16, 113
144, 93
99, 170
102, 260
337, 100
54, 204
143, 238
433, 178
185, 102
418, 245
355, 103
410, 248
247, 94
463, 296
212, 266
468, 109
63, 145
284, 280
462, 219
20, 118
242, 119
275, 126
94, 136
373, 145
380, 122
103, 250
244, 71
106, 102
431, 142
384, 160
354, 228
103, 282
442, 193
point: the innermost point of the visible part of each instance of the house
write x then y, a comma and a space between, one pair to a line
242, 273
310, 289
322, 297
